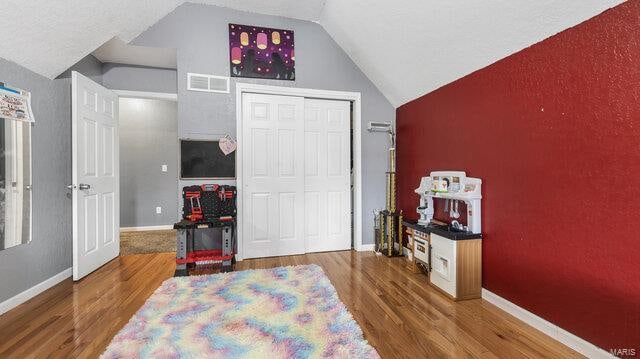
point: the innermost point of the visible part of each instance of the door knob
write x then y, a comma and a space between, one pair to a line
71, 186
84, 186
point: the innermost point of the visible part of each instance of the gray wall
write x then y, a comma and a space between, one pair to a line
88, 66
50, 249
139, 78
148, 139
200, 35
138, 202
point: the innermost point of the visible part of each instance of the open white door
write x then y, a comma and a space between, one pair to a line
273, 175
95, 175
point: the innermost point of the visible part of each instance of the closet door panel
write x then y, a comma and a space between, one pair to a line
327, 182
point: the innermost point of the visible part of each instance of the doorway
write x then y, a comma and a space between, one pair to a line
293, 197
149, 150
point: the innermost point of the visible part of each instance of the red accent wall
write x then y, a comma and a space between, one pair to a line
554, 133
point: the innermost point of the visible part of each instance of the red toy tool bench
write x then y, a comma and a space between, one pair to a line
206, 206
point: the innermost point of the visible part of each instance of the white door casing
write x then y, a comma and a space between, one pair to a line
327, 181
15, 182
95, 175
273, 175
355, 98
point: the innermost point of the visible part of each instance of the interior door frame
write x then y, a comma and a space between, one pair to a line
356, 145
147, 95
27, 184
163, 96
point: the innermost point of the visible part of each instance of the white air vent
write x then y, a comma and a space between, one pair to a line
207, 83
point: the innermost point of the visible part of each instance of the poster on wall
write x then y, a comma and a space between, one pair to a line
15, 104
259, 52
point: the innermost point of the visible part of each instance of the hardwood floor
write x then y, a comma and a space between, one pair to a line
401, 316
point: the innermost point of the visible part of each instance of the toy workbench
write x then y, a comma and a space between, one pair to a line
206, 206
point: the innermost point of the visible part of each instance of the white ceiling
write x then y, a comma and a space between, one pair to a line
407, 48
119, 52
309, 10
49, 36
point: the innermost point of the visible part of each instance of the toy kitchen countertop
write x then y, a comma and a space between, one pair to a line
444, 231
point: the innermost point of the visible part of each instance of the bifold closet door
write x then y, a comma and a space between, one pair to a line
296, 194
327, 175
272, 175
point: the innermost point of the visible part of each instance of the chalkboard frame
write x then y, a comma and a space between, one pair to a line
216, 141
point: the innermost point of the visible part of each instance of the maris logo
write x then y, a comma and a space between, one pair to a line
623, 352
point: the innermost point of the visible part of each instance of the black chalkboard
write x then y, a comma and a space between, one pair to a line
204, 159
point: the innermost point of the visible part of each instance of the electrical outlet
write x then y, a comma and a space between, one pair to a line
158, 210
164, 168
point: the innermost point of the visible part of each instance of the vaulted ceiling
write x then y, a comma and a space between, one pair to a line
411, 47
49, 36
407, 48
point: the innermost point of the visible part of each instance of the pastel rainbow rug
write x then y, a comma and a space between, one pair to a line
286, 312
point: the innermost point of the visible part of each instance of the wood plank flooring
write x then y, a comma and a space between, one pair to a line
400, 315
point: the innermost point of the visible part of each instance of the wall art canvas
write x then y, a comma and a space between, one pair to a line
260, 52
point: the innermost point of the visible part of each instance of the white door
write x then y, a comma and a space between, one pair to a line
273, 175
327, 181
95, 175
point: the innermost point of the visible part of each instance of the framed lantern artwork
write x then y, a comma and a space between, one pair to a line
259, 52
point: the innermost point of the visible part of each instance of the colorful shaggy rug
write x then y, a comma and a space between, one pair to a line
286, 312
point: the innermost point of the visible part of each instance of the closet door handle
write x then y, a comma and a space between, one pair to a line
84, 186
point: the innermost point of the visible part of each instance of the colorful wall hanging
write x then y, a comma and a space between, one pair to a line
15, 104
260, 52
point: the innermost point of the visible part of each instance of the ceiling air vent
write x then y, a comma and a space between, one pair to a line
207, 83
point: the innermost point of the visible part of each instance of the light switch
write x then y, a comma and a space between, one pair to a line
158, 210
164, 168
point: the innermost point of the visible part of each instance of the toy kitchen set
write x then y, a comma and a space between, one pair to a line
450, 254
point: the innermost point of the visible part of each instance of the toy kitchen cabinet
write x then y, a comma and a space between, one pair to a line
451, 259
418, 249
456, 267
454, 251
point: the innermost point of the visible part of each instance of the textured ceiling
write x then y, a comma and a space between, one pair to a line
309, 10
119, 52
407, 48
410, 48
49, 36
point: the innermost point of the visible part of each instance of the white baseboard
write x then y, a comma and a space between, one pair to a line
147, 228
572, 341
20, 298
366, 247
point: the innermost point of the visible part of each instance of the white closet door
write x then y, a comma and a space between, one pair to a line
327, 170
273, 175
